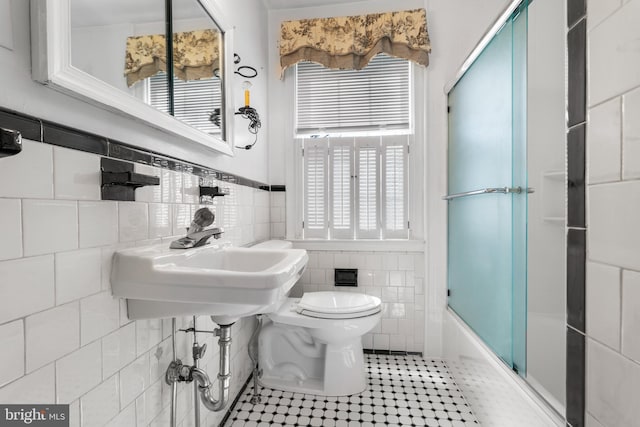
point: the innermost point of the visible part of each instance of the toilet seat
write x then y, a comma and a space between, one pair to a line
337, 305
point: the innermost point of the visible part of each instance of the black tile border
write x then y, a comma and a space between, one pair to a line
575, 378
38, 130
576, 148
576, 10
577, 73
576, 245
576, 278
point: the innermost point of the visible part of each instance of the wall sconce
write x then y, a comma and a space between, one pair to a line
249, 113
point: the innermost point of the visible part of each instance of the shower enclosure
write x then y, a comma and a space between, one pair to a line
488, 194
506, 200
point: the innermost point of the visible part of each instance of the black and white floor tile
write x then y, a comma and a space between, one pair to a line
403, 391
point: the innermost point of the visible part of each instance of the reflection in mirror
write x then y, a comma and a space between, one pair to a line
197, 44
123, 44
102, 34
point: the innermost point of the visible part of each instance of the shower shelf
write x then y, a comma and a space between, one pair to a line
556, 219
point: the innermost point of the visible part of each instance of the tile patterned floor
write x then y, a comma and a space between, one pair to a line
403, 391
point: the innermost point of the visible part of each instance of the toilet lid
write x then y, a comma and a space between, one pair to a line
338, 305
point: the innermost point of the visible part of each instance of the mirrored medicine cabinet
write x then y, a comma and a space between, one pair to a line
114, 53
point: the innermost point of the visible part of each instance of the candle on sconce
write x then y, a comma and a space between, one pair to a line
246, 85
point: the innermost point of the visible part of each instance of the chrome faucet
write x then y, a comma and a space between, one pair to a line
197, 233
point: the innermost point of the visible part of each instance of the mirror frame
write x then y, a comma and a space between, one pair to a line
51, 65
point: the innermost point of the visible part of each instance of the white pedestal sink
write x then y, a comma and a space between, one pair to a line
216, 280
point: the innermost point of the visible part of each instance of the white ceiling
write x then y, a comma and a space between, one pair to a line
294, 4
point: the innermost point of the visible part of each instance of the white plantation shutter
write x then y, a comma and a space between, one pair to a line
356, 188
394, 187
193, 100
315, 188
377, 98
341, 167
368, 188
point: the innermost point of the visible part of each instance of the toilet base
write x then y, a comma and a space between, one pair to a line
292, 360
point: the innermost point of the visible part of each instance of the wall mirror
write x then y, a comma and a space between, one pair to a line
115, 53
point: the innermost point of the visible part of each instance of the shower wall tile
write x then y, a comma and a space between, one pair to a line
603, 303
613, 54
631, 136
614, 235
613, 371
631, 315
600, 10
604, 142
612, 392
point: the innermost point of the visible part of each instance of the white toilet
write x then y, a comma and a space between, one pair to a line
313, 344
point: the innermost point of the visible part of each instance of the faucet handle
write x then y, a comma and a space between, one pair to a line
201, 219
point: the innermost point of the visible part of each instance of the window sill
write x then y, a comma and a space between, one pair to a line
360, 245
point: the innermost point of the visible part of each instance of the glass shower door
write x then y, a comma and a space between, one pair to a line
487, 228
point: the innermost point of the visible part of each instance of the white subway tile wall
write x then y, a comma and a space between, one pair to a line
613, 239
278, 219
65, 338
395, 277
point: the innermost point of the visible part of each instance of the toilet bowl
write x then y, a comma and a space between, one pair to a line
313, 344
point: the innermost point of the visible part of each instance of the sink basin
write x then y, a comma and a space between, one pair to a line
217, 280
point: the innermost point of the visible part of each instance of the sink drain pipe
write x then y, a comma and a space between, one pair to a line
178, 372
224, 373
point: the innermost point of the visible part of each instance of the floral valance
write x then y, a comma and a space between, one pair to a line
195, 55
349, 42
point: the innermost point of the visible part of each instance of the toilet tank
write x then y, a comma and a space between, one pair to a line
274, 244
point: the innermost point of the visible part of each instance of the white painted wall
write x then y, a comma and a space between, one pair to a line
26, 96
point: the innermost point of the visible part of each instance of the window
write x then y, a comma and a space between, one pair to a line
194, 100
356, 187
354, 128
375, 100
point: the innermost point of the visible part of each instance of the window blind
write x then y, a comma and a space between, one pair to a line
194, 100
377, 98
